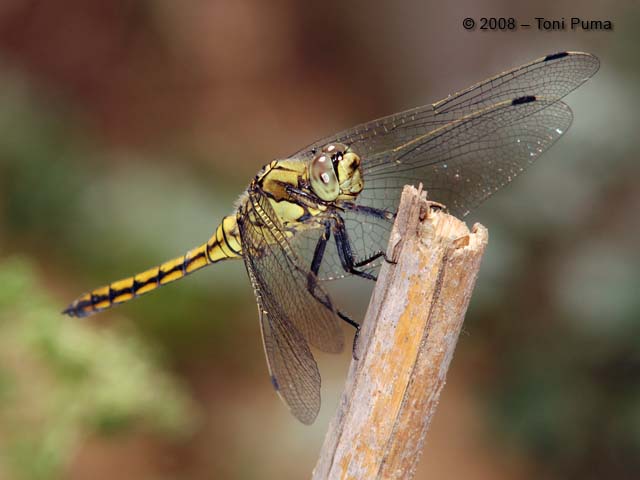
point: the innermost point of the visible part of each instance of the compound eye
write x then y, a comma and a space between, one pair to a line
324, 182
335, 150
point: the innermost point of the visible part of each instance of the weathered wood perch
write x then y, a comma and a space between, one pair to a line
407, 342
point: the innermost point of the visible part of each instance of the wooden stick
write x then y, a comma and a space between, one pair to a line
407, 342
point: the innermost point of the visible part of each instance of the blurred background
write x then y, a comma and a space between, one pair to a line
127, 130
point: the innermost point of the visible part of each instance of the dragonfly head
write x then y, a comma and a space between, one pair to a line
335, 172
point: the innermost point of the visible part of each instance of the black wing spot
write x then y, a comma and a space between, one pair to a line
274, 382
525, 99
555, 56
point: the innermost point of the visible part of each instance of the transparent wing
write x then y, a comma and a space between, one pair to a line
462, 149
460, 165
551, 77
290, 316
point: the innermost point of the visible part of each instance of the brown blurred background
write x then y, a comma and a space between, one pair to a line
128, 128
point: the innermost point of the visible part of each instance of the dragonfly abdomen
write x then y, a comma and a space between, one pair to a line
222, 245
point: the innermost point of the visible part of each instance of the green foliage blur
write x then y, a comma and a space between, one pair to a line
61, 381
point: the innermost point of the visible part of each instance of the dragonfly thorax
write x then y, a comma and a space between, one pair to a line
335, 172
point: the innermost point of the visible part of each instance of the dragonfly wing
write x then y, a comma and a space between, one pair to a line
366, 235
290, 315
459, 164
551, 77
462, 148
293, 370
464, 162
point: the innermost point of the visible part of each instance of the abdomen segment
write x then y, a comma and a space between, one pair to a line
224, 244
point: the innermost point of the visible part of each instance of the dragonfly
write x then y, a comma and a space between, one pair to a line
326, 211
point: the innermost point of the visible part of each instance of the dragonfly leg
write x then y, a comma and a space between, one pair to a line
356, 337
377, 213
318, 255
311, 283
312, 277
345, 252
374, 257
371, 211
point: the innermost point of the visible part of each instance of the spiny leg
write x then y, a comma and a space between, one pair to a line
318, 255
376, 213
312, 276
350, 206
345, 252
370, 211
373, 258
312, 281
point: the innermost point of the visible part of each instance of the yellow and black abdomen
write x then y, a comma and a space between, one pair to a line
224, 244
